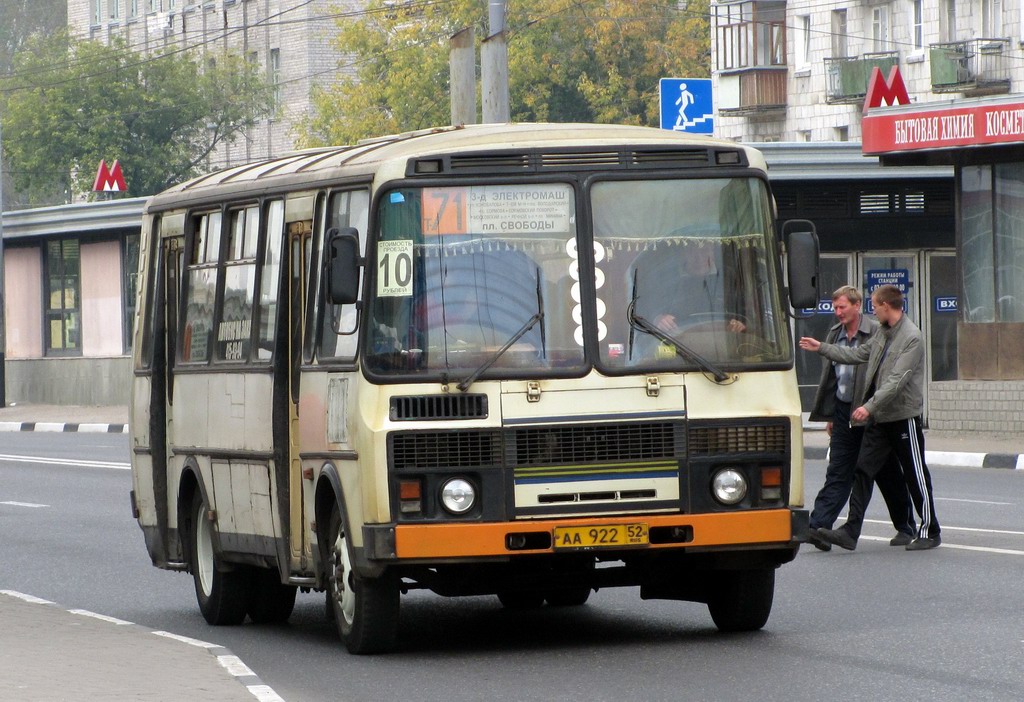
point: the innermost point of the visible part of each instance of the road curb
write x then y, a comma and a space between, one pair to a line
947, 459
84, 428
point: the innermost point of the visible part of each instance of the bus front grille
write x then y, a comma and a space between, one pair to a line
596, 443
419, 407
443, 450
740, 436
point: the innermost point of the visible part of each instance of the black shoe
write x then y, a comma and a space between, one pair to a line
840, 537
815, 539
902, 538
924, 543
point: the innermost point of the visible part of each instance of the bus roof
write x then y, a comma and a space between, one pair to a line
387, 157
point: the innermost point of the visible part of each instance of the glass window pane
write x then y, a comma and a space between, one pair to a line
1009, 240
979, 290
338, 338
202, 289
269, 281
234, 331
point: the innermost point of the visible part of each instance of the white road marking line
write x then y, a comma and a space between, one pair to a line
186, 639
22, 504
1004, 532
973, 502
101, 617
64, 462
26, 598
235, 666
983, 549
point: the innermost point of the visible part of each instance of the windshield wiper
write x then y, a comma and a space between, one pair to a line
638, 322
530, 324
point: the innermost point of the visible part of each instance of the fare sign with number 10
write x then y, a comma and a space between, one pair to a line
394, 268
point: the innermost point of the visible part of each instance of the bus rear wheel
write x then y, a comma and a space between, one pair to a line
365, 610
270, 600
222, 594
741, 600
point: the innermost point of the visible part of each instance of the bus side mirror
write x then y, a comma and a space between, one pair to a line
801, 262
343, 266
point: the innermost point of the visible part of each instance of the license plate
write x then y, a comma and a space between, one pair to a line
603, 536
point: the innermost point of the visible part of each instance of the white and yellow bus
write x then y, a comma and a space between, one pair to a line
522, 360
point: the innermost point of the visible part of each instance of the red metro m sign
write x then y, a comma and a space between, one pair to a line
109, 180
891, 90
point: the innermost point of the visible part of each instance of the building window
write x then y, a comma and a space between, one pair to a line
917, 24
63, 305
840, 46
880, 28
133, 9
154, 5
115, 10
841, 133
948, 24
991, 19
275, 77
750, 34
992, 202
802, 42
96, 12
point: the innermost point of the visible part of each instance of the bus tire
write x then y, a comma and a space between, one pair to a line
222, 594
568, 597
270, 600
365, 610
741, 600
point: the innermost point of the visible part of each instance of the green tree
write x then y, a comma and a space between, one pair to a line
69, 104
19, 19
569, 61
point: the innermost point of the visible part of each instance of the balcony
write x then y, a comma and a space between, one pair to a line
848, 76
973, 67
752, 90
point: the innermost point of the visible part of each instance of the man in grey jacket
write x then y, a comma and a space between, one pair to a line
841, 389
892, 413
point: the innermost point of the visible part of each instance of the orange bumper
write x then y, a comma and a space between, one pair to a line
464, 540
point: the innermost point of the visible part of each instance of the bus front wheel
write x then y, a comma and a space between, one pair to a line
741, 600
365, 610
222, 594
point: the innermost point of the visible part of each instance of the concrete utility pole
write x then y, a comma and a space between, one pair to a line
462, 67
494, 66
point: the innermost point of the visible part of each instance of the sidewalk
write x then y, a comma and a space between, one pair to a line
48, 653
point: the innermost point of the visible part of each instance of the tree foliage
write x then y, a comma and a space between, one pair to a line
20, 19
69, 104
569, 61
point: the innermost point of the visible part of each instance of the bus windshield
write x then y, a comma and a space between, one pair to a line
474, 276
686, 275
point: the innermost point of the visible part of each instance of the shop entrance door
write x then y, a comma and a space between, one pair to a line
941, 316
835, 270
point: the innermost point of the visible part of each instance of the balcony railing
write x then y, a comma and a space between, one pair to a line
848, 76
752, 90
972, 66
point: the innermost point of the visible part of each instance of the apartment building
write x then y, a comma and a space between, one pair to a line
945, 215
290, 39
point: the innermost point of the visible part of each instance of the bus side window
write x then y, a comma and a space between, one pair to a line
234, 326
269, 280
201, 289
338, 336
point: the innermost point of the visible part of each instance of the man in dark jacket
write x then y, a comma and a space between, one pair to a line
892, 413
842, 388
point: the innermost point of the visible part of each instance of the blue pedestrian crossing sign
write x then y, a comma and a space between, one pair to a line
686, 105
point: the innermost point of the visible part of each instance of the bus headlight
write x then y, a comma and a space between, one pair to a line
458, 495
729, 486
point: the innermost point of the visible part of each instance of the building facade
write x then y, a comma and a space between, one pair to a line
289, 39
797, 71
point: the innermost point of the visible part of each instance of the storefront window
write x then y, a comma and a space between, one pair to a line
1009, 242
979, 279
63, 307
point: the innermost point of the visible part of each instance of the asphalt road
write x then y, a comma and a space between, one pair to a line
876, 624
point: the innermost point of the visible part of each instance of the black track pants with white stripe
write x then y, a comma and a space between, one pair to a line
906, 439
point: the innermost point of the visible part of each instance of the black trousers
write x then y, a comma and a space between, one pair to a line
843, 452
906, 439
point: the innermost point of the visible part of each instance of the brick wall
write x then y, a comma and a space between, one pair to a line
977, 405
